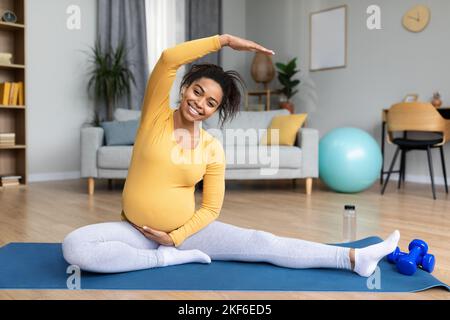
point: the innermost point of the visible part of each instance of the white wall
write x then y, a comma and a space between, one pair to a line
234, 22
57, 99
383, 65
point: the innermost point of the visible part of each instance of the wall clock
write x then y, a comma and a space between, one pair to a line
417, 18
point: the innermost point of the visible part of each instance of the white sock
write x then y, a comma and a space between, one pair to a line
366, 259
169, 256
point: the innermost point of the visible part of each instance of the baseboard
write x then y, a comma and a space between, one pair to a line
54, 176
439, 181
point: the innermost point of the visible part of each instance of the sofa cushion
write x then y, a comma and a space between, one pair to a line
247, 127
122, 114
120, 133
114, 157
286, 127
251, 157
238, 157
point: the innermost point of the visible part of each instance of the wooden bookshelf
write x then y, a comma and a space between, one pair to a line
11, 26
13, 158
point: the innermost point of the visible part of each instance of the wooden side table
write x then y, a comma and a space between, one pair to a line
260, 94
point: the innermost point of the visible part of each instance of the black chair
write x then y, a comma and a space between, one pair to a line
416, 117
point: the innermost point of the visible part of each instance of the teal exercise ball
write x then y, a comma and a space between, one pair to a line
349, 160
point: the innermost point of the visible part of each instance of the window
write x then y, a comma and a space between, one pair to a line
165, 21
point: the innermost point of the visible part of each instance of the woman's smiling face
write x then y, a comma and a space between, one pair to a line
201, 99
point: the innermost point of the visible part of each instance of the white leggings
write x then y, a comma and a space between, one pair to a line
119, 247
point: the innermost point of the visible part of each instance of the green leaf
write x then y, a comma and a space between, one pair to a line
110, 76
291, 65
285, 74
284, 80
281, 66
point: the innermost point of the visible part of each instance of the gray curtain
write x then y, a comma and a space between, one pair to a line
119, 19
204, 19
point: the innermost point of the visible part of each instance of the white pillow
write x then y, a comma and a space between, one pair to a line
122, 114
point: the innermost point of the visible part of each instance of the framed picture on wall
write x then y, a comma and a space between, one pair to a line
328, 39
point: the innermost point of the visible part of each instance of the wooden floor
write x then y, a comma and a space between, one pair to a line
47, 211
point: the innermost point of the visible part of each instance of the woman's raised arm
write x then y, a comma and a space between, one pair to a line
156, 98
240, 44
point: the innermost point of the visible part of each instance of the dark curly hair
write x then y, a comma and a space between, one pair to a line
228, 81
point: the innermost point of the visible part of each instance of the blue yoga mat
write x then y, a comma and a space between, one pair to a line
42, 266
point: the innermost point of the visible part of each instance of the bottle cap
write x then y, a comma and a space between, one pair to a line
349, 207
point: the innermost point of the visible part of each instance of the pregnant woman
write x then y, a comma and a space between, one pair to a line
160, 226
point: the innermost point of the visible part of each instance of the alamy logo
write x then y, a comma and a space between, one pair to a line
374, 281
74, 280
241, 147
374, 20
74, 20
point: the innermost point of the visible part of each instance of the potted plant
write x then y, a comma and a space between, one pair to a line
110, 77
285, 74
436, 101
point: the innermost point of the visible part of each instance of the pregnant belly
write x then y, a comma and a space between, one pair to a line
164, 210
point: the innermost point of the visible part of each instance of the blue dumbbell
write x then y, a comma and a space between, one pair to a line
427, 262
395, 255
407, 263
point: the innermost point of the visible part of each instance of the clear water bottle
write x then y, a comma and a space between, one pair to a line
349, 223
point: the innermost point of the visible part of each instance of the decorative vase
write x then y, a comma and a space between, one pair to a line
436, 102
262, 68
288, 106
5, 57
284, 103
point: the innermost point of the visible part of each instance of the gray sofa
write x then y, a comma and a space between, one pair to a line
246, 157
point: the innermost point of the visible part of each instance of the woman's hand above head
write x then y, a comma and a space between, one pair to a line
240, 44
160, 237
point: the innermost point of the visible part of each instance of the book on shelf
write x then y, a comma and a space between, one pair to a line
9, 183
7, 139
21, 94
7, 135
9, 177
11, 93
5, 87
10, 180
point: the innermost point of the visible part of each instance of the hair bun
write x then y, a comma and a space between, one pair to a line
205, 66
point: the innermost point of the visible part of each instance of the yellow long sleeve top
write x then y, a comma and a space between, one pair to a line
159, 188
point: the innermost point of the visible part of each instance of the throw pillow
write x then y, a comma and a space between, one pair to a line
122, 114
119, 133
288, 127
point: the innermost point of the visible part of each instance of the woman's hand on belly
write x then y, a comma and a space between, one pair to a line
160, 237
